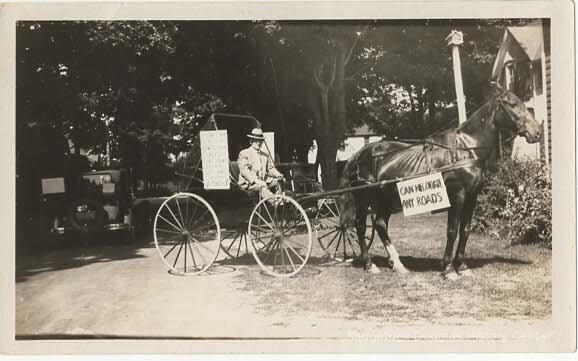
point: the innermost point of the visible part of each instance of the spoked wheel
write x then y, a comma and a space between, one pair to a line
280, 235
187, 234
339, 241
235, 242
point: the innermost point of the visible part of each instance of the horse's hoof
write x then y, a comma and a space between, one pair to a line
401, 270
465, 272
452, 276
374, 269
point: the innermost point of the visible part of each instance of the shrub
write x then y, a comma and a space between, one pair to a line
516, 202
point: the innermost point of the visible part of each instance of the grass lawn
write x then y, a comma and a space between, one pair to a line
507, 283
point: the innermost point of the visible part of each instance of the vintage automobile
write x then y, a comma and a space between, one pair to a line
89, 202
57, 193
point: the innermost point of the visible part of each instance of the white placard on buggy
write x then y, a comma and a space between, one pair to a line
423, 194
270, 141
215, 159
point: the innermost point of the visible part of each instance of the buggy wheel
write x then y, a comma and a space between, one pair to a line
280, 235
339, 241
235, 242
187, 234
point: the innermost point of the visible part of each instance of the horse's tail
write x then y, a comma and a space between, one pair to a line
346, 203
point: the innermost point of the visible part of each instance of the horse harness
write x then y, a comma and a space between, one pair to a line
456, 162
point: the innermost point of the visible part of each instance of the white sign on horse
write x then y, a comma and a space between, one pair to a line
270, 141
215, 159
423, 194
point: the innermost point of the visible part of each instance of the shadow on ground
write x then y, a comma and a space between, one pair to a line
69, 254
420, 264
247, 259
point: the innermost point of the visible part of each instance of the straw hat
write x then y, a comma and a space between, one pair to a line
256, 133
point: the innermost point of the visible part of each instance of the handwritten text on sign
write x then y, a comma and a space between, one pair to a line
423, 194
215, 159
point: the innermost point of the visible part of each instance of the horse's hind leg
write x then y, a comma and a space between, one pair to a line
465, 223
361, 227
381, 225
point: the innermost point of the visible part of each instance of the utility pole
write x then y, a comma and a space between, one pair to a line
455, 39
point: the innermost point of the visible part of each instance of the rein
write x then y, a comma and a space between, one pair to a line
455, 163
454, 147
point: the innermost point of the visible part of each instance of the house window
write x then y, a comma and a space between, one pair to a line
523, 79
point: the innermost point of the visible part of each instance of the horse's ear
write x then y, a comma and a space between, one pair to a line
495, 88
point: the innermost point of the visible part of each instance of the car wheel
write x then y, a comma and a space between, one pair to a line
87, 215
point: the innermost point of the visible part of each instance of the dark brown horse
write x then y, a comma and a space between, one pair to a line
469, 146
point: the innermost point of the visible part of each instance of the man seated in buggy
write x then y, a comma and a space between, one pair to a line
256, 169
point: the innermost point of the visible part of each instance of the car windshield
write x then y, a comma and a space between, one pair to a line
98, 179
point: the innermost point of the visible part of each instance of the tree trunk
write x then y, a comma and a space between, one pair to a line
301, 153
327, 145
420, 101
330, 125
282, 148
420, 108
412, 103
326, 153
431, 103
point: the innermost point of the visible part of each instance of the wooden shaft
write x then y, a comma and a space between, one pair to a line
450, 167
338, 192
461, 99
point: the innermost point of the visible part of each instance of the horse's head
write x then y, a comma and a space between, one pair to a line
511, 113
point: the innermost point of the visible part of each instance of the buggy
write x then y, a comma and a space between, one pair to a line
192, 226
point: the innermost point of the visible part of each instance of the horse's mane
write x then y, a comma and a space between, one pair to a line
481, 112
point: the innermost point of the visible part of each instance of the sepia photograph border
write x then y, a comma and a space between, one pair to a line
556, 335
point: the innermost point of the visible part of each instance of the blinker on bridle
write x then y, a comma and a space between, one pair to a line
520, 125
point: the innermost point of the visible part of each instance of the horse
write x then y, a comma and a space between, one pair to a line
470, 146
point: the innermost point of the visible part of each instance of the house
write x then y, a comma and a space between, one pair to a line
361, 136
522, 66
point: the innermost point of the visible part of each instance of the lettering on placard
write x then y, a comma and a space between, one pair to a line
215, 159
423, 194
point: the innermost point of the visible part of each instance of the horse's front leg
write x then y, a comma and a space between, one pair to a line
381, 226
454, 213
465, 224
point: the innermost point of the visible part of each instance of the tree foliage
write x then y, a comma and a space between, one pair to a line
147, 87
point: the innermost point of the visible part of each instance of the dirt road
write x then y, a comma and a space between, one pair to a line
122, 290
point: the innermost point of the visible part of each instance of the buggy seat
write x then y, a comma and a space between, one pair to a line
234, 174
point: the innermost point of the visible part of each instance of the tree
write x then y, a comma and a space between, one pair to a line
97, 81
416, 65
155, 83
313, 58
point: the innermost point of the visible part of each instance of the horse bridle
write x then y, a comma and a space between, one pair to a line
521, 126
